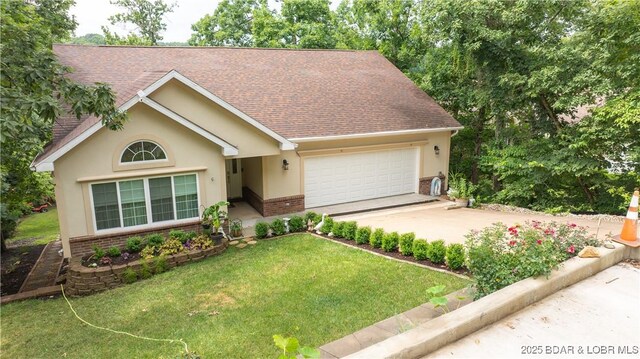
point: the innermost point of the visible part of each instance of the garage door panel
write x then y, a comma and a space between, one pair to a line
359, 176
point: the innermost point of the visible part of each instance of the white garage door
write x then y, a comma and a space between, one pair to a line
359, 176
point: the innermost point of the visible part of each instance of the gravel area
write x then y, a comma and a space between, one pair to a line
513, 209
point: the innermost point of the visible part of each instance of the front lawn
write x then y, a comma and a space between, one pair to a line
228, 306
41, 227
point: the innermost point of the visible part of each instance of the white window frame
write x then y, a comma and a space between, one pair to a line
147, 192
166, 155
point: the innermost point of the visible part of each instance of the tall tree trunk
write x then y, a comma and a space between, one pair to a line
478, 128
586, 190
552, 115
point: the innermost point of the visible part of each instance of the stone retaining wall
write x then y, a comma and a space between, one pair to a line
83, 280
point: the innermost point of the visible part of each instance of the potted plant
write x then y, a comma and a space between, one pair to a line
213, 217
236, 228
460, 190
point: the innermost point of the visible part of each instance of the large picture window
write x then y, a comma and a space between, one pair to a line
144, 201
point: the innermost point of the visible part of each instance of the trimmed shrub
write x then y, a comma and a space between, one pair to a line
363, 234
406, 243
296, 224
179, 235
338, 229
420, 249
134, 244
129, 276
455, 256
160, 265
190, 235
327, 225
376, 238
114, 252
390, 241
98, 252
154, 240
437, 252
262, 230
278, 227
349, 230
171, 246
313, 216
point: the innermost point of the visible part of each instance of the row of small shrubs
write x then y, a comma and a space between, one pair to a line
436, 252
277, 227
407, 244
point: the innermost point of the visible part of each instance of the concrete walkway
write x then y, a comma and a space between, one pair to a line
598, 315
46, 269
250, 216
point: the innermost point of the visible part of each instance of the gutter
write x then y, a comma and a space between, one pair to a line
374, 134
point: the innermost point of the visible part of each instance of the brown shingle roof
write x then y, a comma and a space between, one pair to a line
296, 93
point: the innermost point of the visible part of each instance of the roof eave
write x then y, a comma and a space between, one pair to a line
374, 134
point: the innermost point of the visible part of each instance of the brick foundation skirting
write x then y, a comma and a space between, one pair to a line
84, 245
425, 185
273, 206
253, 199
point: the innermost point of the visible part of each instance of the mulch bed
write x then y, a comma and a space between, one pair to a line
88, 259
16, 265
398, 255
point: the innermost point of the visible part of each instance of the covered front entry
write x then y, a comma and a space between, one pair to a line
342, 178
234, 178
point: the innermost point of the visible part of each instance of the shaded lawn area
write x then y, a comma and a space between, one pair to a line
228, 306
43, 227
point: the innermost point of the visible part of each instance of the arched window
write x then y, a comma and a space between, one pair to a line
143, 151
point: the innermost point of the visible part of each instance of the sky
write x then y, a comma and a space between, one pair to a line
92, 14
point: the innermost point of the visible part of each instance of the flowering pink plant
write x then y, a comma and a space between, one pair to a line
500, 255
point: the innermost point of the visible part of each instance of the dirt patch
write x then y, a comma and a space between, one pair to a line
106, 261
16, 265
398, 255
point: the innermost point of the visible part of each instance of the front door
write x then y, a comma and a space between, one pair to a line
234, 178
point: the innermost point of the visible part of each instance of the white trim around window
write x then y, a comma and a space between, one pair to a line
147, 192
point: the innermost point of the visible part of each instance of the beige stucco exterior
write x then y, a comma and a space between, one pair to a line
97, 159
191, 105
92, 161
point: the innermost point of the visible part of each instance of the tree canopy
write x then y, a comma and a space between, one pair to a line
147, 17
547, 90
34, 92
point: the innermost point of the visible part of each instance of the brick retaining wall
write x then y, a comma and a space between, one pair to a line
83, 280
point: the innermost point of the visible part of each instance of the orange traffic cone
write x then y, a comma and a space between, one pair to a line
630, 227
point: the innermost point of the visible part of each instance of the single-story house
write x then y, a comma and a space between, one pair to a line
284, 129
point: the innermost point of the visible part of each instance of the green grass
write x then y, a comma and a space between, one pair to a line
301, 286
41, 226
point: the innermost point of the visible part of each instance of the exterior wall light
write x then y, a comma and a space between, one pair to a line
285, 165
436, 149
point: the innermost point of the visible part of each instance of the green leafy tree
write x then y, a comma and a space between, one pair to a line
34, 92
146, 15
389, 26
299, 24
229, 25
88, 39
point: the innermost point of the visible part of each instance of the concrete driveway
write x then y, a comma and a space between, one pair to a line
432, 221
595, 317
